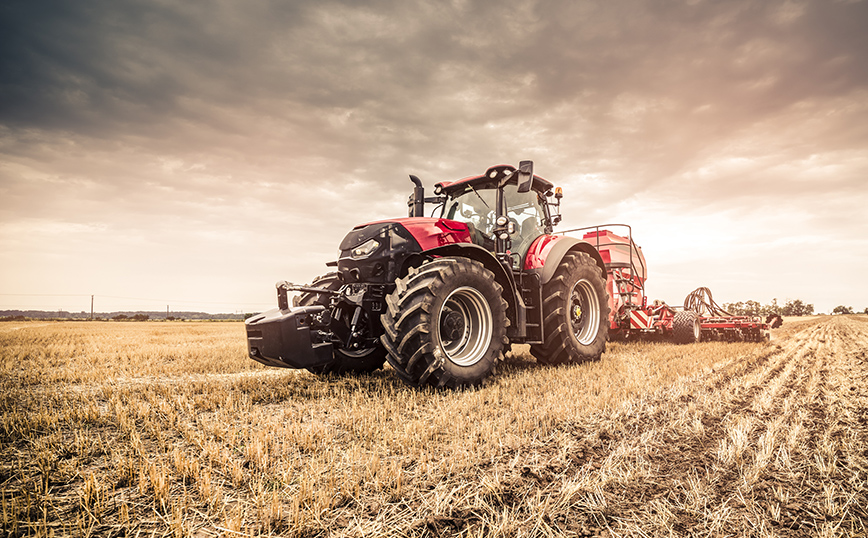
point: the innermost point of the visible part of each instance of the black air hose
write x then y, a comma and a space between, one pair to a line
701, 302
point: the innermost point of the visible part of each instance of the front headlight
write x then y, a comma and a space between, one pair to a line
365, 249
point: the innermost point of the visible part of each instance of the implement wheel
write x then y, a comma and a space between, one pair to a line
686, 328
445, 324
576, 313
345, 361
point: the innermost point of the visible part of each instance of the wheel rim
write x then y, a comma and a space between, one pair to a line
697, 329
465, 326
584, 312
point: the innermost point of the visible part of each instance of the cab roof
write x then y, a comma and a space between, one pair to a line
490, 179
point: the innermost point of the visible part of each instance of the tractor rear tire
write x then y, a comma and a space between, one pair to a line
445, 324
686, 327
345, 362
576, 313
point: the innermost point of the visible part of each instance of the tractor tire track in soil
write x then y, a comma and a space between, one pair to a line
764, 446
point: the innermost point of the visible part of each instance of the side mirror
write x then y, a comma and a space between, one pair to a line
525, 176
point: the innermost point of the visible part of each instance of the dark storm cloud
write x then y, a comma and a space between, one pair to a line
105, 68
654, 80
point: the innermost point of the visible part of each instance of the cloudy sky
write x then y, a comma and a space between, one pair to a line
192, 153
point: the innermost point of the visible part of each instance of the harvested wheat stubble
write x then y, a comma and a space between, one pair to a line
162, 429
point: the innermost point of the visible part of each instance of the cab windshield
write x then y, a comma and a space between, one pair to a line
476, 208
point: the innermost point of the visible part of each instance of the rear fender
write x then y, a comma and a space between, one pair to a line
547, 251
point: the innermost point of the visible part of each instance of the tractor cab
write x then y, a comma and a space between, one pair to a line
526, 212
505, 209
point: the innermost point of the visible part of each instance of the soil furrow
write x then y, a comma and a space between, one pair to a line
685, 466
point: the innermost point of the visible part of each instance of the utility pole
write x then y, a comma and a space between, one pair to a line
167, 312
91, 307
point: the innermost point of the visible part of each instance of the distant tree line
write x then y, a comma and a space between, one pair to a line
793, 307
136, 317
21, 315
841, 309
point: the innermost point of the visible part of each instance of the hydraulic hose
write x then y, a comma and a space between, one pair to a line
701, 302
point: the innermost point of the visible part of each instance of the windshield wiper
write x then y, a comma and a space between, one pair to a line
480, 197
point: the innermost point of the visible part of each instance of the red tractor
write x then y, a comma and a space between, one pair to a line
441, 297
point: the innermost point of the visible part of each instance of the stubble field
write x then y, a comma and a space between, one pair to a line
167, 429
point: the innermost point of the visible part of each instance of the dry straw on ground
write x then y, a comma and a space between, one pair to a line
158, 429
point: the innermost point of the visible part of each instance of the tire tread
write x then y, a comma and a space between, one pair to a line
559, 347
410, 344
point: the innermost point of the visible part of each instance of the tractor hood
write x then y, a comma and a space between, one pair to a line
376, 251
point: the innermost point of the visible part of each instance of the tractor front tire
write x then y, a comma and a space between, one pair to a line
686, 328
575, 313
363, 361
445, 324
